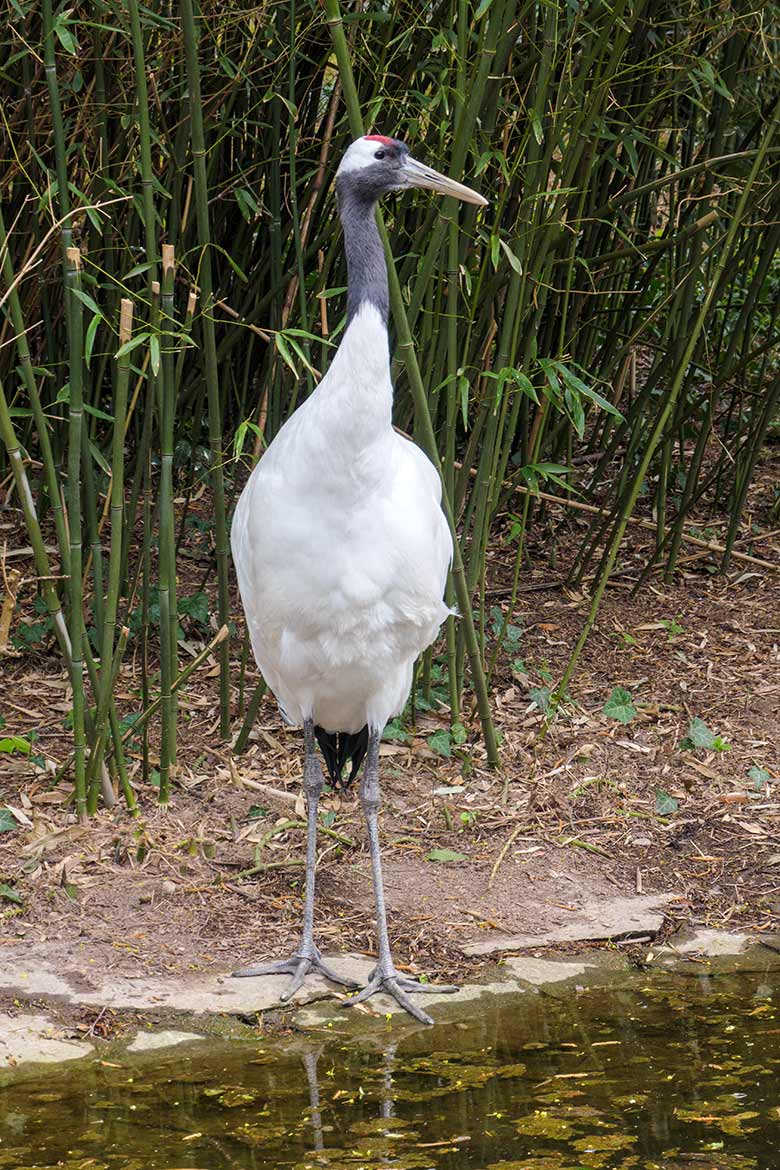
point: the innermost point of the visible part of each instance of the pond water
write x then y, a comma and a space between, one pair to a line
672, 1074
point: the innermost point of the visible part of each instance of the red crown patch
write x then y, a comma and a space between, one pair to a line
378, 138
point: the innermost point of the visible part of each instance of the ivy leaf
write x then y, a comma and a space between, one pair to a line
445, 855
620, 706
395, 733
759, 776
459, 734
665, 804
541, 696
7, 821
196, 607
441, 743
700, 736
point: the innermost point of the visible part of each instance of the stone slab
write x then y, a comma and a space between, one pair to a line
33, 1038
168, 1038
217, 993
608, 919
539, 972
710, 943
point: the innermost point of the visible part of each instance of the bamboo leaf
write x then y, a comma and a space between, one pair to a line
132, 344
284, 350
87, 300
513, 260
89, 339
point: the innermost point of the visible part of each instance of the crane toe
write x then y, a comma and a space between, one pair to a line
299, 966
398, 987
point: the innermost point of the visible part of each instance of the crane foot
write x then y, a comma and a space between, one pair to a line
299, 966
399, 987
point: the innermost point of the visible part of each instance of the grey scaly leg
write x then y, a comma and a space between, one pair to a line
384, 976
307, 957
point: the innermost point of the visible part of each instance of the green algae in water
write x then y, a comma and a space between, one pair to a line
676, 1074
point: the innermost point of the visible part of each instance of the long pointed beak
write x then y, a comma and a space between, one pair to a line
416, 174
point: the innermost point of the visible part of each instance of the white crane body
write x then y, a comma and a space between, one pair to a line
342, 548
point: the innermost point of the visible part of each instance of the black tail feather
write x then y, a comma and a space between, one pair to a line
339, 746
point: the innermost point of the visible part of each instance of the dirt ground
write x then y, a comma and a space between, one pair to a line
593, 808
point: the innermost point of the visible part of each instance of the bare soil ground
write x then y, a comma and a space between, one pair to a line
591, 809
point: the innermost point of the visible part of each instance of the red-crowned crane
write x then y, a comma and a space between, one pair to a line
342, 551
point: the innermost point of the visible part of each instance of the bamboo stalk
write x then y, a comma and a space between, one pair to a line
75, 596
167, 552
210, 349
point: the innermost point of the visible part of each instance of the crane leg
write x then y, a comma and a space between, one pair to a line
307, 958
384, 977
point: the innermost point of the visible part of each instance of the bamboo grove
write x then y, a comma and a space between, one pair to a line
172, 280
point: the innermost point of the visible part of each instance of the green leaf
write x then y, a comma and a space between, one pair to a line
483, 7
445, 855
87, 300
196, 607
99, 458
513, 260
8, 821
284, 350
541, 696
536, 126
665, 804
620, 706
700, 736
441, 743
759, 776
247, 203
89, 340
154, 351
93, 410
464, 388
10, 894
395, 732
15, 743
458, 733
66, 39
133, 343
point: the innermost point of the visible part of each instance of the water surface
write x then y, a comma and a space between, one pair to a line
672, 1074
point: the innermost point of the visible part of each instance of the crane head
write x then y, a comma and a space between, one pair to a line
375, 164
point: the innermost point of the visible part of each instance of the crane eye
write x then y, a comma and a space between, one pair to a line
380, 154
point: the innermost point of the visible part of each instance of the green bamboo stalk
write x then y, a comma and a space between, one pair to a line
167, 551
58, 127
32, 525
144, 139
210, 349
109, 660
75, 597
31, 387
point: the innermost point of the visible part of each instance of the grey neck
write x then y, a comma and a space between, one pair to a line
366, 266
